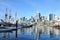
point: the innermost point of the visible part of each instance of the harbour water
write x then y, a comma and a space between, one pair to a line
31, 34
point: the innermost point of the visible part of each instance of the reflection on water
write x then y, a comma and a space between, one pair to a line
33, 33
4, 38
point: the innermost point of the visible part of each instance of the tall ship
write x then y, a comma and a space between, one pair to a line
7, 21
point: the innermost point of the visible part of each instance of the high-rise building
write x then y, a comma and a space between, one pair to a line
42, 18
37, 17
23, 19
51, 17
32, 19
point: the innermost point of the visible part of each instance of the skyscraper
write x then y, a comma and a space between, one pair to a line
51, 17
37, 17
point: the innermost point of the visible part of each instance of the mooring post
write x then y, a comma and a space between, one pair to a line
16, 27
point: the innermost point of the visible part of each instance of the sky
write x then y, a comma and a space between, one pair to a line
27, 8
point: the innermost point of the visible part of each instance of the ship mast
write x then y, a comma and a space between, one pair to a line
15, 15
9, 15
6, 15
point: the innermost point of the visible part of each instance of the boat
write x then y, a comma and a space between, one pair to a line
6, 23
26, 26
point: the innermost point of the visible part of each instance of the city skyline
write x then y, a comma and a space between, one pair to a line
27, 8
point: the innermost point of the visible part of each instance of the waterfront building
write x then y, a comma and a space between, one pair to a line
42, 18
23, 20
48, 18
57, 18
51, 17
32, 19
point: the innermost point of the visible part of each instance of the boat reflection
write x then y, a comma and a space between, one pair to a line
35, 33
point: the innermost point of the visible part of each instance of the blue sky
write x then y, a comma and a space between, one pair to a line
28, 8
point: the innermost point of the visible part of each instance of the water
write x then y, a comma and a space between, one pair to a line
28, 34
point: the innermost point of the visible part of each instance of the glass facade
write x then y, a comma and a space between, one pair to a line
51, 17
